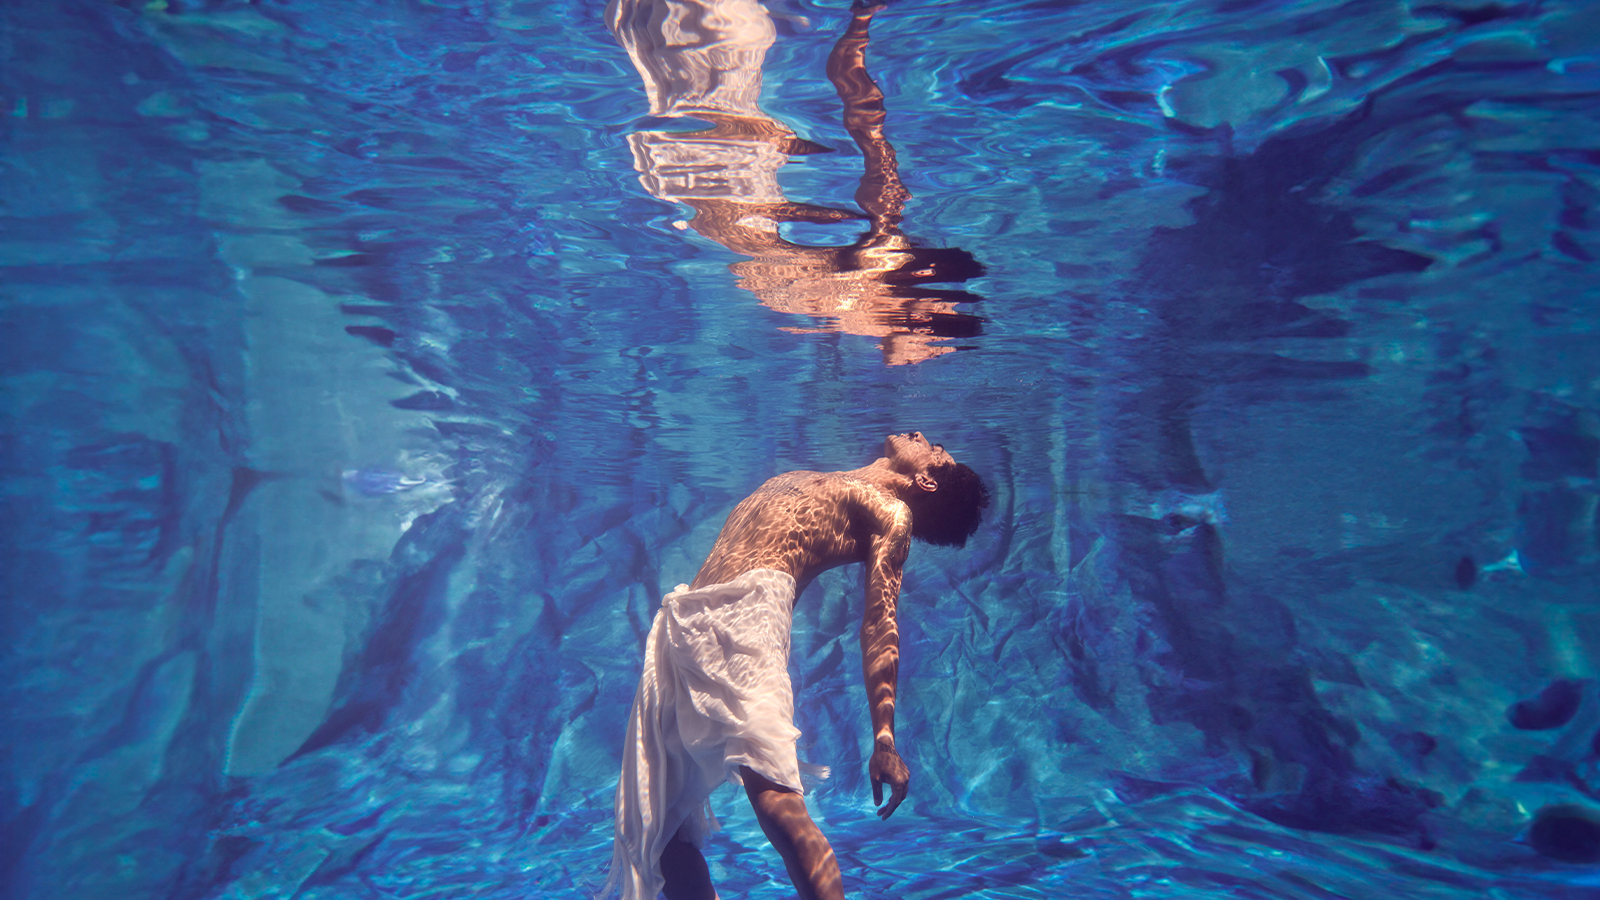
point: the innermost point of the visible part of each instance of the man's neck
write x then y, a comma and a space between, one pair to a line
882, 476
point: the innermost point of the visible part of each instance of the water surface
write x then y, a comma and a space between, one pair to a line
372, 369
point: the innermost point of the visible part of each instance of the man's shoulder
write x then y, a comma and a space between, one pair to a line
800, 484
843, 490
789, 483
825, 487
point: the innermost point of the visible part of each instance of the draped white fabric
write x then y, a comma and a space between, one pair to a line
715, 695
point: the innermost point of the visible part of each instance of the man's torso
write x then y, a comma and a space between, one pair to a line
801, 523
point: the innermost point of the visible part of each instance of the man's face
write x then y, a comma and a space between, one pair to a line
912, 454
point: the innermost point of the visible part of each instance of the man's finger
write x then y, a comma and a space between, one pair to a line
894, 803
877, 792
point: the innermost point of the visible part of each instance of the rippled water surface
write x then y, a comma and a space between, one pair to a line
371, 370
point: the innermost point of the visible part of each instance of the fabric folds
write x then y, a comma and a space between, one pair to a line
715, 695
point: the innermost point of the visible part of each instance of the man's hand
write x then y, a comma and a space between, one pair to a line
887, 767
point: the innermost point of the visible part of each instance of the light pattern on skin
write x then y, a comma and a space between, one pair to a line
803, 523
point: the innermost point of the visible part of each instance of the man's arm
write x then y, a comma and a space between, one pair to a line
880, 655
881, 192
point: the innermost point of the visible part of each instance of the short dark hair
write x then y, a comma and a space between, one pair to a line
936, 264
950, 514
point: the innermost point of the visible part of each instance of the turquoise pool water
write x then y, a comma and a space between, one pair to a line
372, 369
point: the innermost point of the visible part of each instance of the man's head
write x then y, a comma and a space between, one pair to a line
947, 498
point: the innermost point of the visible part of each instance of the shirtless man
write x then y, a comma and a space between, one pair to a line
715, 702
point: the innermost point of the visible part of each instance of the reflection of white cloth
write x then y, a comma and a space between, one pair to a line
701, 56
696, 55
693, 167
715, 695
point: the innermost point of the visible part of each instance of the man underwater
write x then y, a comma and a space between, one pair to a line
715, 702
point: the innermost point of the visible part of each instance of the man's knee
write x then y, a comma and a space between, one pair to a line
776, 805
781, 806
756, 783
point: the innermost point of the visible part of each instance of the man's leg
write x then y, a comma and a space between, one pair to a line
685, 871
806, 853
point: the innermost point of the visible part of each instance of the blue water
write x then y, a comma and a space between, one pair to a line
366, 385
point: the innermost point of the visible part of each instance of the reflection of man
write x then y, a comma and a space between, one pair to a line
702, 59
715, 703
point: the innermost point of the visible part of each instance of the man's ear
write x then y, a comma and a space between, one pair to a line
926, 482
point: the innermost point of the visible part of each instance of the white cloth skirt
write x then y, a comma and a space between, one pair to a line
715, 695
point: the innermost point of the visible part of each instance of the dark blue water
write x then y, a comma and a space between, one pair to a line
372, 369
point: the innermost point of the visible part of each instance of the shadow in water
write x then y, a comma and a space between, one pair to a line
1260, 242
